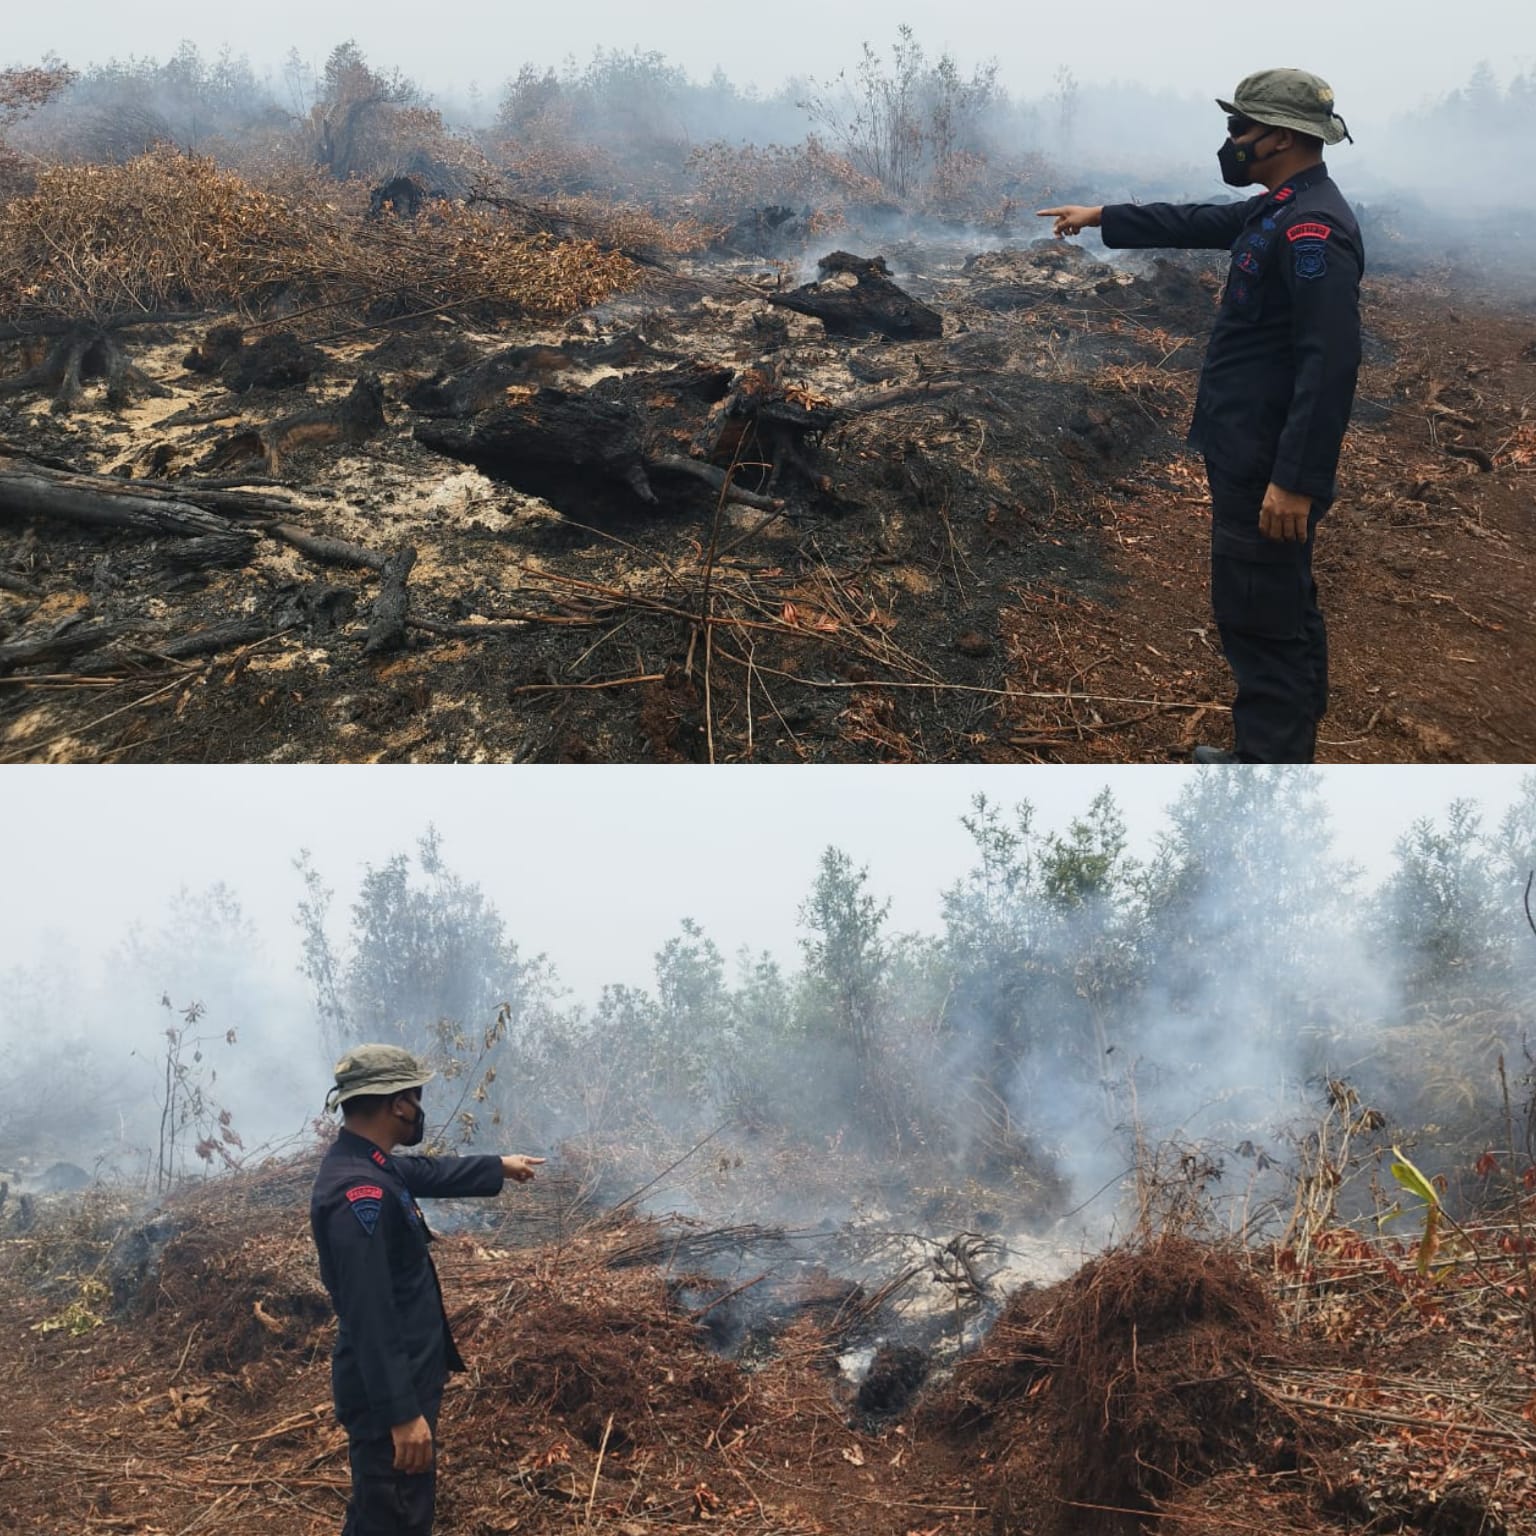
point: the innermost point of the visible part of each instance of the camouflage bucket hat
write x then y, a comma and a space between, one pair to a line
1289, 98
377, 1069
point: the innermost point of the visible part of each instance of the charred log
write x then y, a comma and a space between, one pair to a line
216, 638
485, 383
400, 196
18, 586
386, 626
856, 297
276, 361
215, 349
355, 419
765, 232
717, 479
28, 490
579, 453
764, 427
215, 551
327, 551
71, 639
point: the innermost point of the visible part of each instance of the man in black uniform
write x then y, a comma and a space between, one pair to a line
393, 1348
1275, 396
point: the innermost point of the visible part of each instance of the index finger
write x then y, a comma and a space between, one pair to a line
537, 1160
1049, 213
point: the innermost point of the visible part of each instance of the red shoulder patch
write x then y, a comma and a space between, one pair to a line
365, 1192
1308, 232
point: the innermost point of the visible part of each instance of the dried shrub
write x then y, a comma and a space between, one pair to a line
1130, 1380
22, 92
730, 178
170, 232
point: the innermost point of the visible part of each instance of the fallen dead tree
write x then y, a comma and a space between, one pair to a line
28, 489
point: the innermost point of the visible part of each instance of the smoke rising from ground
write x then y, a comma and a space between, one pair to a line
1078, 1005
901, 138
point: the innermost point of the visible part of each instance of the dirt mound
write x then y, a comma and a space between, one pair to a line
1132, 1379
615, 1359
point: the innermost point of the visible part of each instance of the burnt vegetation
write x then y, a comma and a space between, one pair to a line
874, 1308
787, 438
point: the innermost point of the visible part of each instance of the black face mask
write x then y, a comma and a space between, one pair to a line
413, 1137
1238, 161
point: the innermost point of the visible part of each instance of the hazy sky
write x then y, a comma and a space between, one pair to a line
593, 866
1381, 55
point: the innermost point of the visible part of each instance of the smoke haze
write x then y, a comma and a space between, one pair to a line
1180, 957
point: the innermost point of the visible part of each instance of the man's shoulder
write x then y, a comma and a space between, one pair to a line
1322, 202
344, 1168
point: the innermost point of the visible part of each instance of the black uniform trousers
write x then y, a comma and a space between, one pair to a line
1272, 631
386, 1502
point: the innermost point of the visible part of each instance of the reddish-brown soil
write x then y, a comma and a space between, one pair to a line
1426, 567
1169, 1384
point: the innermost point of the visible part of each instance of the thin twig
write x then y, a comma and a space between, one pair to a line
597, 1471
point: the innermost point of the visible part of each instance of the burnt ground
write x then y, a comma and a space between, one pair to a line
173, 1379
991, 545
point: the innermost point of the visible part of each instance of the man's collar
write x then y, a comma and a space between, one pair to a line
1298, 183
360, 1144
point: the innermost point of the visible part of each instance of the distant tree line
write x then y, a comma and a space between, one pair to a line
1068, 985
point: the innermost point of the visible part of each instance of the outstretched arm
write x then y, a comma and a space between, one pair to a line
1190, 226
449, 1178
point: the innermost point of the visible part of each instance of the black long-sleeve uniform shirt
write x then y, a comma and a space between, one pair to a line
393, 1346
1279, 379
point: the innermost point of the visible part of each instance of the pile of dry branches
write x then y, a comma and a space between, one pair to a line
171, 232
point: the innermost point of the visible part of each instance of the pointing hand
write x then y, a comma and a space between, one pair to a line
520, 1169
1073, 218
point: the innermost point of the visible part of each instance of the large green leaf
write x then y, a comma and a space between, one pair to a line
1416, 1184
1414, 1181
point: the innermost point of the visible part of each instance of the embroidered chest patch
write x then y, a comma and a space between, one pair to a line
1310, 243
365, 1201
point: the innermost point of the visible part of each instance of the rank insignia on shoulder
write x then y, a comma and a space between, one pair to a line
378, 1157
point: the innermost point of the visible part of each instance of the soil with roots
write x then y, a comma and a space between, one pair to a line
166, 1371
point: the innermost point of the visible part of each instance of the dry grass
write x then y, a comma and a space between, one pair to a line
170, 232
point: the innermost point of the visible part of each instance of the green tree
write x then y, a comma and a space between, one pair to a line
994, 921
845, 953
1440, 909
1245, 885
693, 1018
